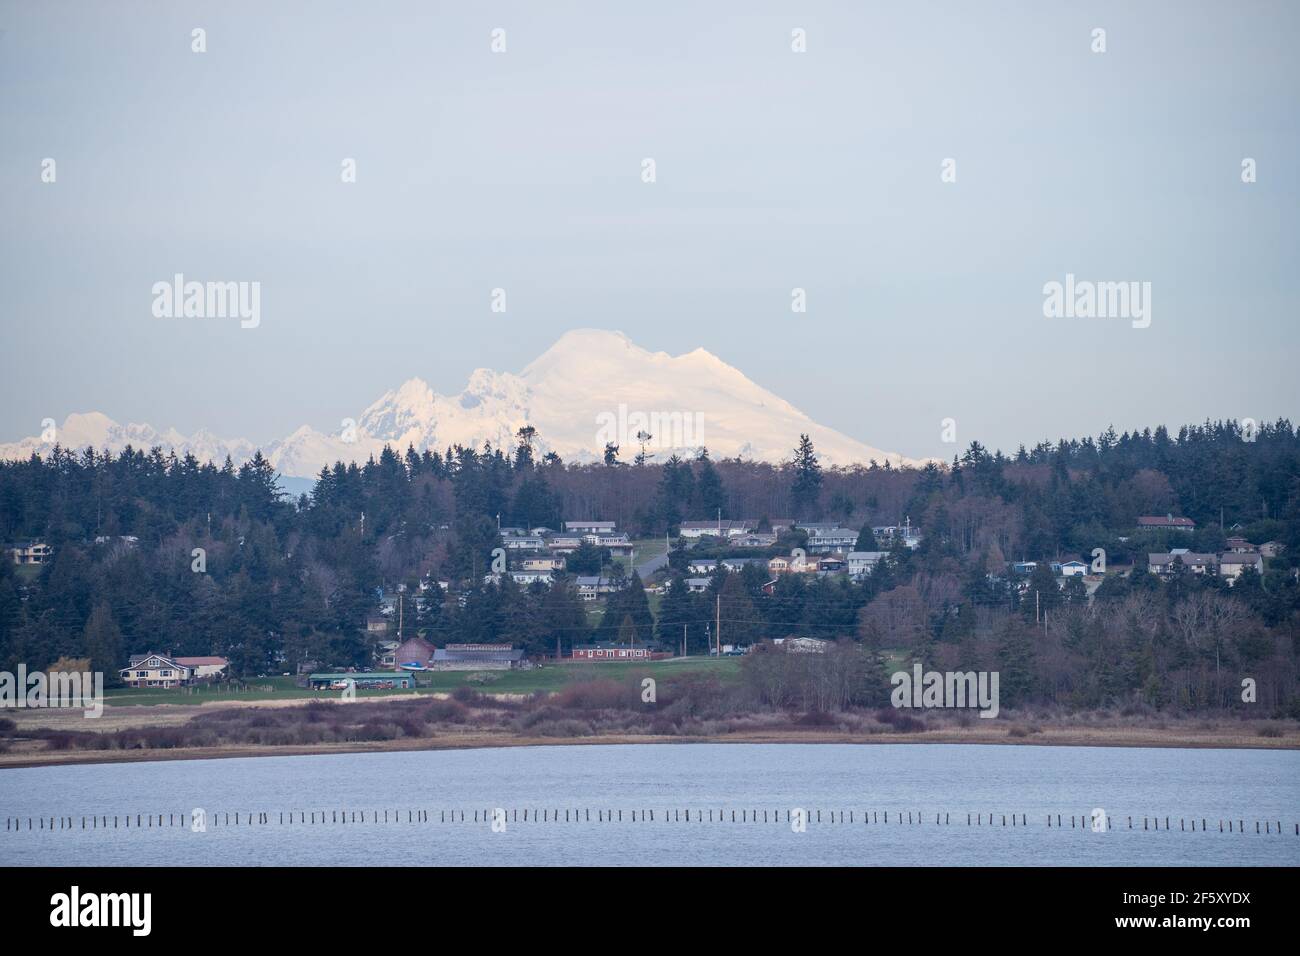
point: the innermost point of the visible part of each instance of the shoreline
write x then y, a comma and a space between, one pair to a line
1047, 737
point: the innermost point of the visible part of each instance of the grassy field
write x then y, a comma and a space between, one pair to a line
549, 678
647, 548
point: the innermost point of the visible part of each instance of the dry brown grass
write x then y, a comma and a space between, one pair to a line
602, 712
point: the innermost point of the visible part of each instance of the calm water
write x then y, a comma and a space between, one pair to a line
923, 779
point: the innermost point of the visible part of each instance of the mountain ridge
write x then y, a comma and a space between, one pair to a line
591, 386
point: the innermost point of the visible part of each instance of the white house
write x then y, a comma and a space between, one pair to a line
1231, 565
589, 527
161, 670
604, 539
526, 577
31, 552
608, 651
862, 563
203, 668
565, 543
814, 527
1073, 569
736, 565
523, 543
618, 544
1163, 564
591, 586
717, 528
832, 539
802, 645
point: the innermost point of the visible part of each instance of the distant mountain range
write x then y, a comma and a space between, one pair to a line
589, 388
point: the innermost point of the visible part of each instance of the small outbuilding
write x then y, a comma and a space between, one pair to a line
366, 680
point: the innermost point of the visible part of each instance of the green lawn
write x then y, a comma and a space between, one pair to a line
648, 548
645, 549
549, 678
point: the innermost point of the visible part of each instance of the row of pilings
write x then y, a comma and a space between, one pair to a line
196, 820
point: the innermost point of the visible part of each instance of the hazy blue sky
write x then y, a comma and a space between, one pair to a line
775, 170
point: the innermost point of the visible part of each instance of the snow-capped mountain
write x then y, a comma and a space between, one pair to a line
589, 388
95, 429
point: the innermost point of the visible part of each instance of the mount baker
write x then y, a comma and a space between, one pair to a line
590, 387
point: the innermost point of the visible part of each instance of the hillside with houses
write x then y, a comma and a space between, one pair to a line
1141, 567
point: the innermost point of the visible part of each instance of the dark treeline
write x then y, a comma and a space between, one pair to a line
286, 581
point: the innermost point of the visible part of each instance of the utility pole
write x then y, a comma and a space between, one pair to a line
719, 627
683, 640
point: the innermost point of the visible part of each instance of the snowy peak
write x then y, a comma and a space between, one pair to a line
592, 350
81, 430
400, 409
590, 388
580, 349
